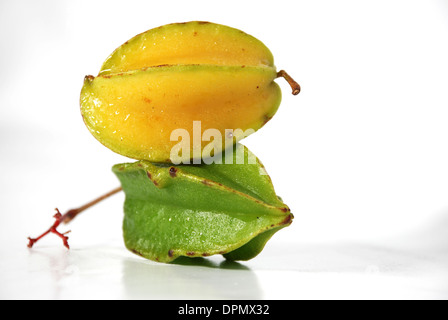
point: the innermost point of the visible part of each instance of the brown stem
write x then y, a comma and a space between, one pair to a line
67, 217
294, 85
71, 214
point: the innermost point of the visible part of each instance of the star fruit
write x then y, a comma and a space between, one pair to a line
197, 211
167, 78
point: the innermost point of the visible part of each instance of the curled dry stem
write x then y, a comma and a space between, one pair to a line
294, 85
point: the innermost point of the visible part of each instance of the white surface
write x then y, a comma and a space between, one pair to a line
288, 271
360, 155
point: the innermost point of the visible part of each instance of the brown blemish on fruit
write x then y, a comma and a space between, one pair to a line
170, 253
173, 172
156, 66
205, 254
90, 78
195, 33
211, 183
147, 100
266, 119
136, 252
108, 76
203, 22
285, 209
150, 178
206, 182
161, 65
190, 253
287, 220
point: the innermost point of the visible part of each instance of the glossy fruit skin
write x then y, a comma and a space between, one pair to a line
169, 77
202, 210
195, 42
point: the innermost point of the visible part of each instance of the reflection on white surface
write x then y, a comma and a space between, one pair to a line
307, 271
207, 280
114, 273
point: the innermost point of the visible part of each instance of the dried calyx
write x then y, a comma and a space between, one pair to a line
67, 217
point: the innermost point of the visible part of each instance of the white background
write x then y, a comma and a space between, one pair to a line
360, 156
